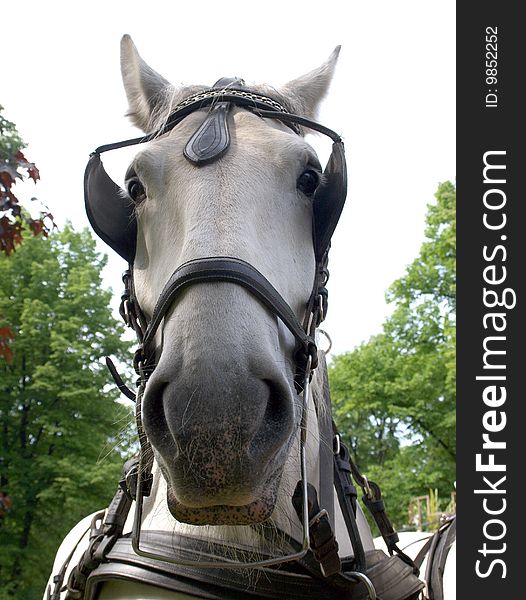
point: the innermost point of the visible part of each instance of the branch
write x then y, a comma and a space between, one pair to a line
437, 438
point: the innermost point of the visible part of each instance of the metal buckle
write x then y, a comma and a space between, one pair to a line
222, 563
367, 488
317, 518
124, 307
320, 308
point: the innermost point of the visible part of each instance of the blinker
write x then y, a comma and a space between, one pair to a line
110, 210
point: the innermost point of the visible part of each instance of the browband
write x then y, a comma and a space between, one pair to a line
250, 100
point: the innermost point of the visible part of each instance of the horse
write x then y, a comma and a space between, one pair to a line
243, 487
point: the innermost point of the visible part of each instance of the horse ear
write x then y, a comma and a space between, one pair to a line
145, 88
309, 90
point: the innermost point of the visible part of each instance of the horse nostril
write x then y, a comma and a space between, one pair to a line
277, 422
153, 418
278, 408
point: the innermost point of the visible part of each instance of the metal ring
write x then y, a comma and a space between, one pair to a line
365, 580
327, 337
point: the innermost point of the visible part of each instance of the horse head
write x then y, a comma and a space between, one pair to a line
221, 408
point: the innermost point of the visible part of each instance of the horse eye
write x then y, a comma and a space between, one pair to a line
136, 190
308, 181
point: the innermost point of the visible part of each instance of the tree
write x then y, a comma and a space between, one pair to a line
394, 396
64, 435
13, 165
14, 219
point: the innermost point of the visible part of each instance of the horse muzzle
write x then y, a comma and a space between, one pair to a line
221, 428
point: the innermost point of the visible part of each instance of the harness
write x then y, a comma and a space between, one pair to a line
313, 564
436, 549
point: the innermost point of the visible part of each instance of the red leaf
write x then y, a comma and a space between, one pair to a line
21, 159
8, 175
36, 226
6, 352
5, 335
33, 172
10, 235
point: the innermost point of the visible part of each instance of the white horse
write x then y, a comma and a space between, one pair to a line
226, 427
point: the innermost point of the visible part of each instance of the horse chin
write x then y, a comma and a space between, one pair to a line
253, 512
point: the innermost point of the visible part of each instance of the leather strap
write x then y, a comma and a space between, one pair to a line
322, 540
234, 270
250, 100
436, 561
291, 119
208, 583
261, 105
346, 493
325, 453
212, 138
372, 498
419, 558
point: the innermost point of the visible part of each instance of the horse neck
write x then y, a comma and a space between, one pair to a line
157, 516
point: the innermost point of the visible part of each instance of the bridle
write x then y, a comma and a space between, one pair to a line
113, 219
208, 143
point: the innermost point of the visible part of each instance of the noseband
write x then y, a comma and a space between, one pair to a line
232, 270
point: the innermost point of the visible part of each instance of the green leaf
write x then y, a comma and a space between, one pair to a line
64, 435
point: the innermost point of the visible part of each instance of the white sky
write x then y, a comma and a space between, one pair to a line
393, 100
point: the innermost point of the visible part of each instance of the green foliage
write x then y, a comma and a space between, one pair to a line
64, 435
394, 396
10, 140
15, 220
